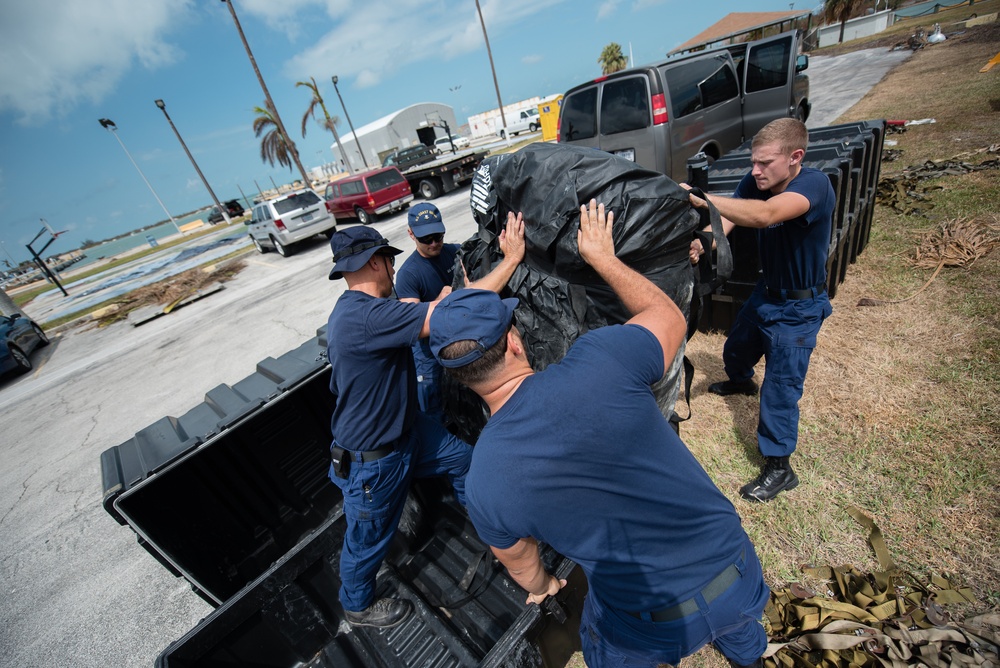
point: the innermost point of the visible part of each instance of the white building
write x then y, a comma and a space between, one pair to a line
418, 123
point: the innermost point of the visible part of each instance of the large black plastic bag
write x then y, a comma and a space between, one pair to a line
561, 296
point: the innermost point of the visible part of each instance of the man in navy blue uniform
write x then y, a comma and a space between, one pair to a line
580, 457
380, 440
791, 207
427, 276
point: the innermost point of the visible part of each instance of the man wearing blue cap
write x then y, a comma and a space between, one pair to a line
380, 440
427, 276
580, 457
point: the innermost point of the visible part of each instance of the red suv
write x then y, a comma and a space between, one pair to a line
368, 195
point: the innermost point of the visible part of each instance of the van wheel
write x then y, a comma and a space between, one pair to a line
503, 134
363, 216
20, 359
256, 244
429, 189
533, 127
800, 113
282, 250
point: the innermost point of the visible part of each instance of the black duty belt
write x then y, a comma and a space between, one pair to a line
372, 455
710, 592
783, 295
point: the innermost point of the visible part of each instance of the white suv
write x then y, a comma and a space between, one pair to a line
285, 220
443, 144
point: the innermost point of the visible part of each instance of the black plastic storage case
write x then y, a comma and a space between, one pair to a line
234, 496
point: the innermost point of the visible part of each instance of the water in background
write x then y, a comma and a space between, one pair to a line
137, 239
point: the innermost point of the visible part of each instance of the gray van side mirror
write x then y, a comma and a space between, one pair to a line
801, 62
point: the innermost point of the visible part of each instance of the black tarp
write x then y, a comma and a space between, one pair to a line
561, 296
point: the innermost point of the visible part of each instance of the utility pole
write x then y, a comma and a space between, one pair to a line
267, 95
356, 142
489, 52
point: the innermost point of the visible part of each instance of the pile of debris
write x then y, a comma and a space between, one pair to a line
906, 193
156, 299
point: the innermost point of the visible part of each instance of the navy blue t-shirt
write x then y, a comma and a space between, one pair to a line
423, 278
581, 458
372, 379
793, 253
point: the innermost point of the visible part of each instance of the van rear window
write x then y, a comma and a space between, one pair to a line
579, 115
389, 177
624, 105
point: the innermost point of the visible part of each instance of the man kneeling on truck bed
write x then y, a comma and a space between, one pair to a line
380, 440
579, 456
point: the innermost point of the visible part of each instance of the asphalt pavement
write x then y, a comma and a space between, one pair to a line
77, 589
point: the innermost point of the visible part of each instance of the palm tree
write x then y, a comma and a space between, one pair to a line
612, 59
273, 146
331, 121
840, 10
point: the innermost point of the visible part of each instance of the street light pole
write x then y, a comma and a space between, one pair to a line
110, 126
225, 213
356, 142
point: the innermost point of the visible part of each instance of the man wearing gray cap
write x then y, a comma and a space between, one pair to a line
580, 457
380, 440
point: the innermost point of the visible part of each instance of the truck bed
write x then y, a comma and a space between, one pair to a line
234, 497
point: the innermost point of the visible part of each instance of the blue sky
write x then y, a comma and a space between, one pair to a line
65, 63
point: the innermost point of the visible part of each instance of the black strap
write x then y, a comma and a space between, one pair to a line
707, 279
712, 274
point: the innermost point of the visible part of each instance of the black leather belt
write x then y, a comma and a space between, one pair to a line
783, 295
711, 591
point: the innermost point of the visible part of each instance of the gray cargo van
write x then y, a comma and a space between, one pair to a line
661, 114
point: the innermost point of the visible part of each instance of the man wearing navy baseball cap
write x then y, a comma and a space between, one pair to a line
427, 276
381, 441
579, 456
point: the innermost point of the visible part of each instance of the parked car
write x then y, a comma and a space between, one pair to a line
283, 221
233, 208
18, 337
368, 195
661, 114
443, 144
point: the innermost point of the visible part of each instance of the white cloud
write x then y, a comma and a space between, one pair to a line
531, 59
372, 40
607, 8
55, 54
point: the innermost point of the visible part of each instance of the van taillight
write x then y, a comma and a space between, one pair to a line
371, 202
280, 225
659, 109
558, 127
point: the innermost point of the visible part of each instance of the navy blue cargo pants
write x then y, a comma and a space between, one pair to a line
783, 332
374, 496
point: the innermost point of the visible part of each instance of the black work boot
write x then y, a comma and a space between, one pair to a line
775, 476
728, 387
383, 613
